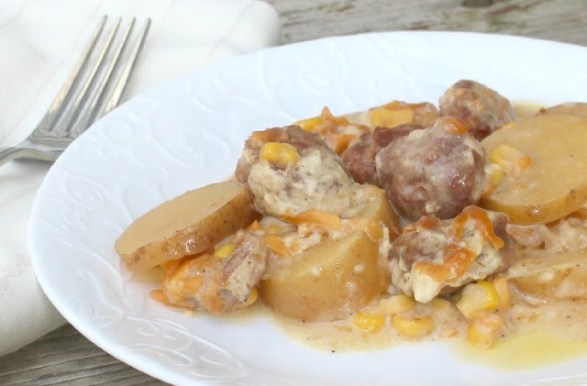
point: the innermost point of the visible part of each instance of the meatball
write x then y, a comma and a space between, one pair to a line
481, 108
437, 171
294, 135
434, 256
359, 157
216, 284
316, 180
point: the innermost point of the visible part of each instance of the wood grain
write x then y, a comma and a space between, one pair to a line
555, 20
65, 357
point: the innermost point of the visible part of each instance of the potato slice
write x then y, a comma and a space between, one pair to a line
375, 206
555, 183
188, 224
551, 277
570, 108
329, 281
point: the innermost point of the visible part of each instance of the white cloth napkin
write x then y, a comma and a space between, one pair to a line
40, 41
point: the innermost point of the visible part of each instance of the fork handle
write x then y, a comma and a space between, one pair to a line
11, 153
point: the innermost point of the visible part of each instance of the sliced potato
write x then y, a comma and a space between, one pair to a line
377, 207
551, 277
328, 281
571, 108
188, 224
555, 182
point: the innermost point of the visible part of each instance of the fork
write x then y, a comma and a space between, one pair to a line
93, 88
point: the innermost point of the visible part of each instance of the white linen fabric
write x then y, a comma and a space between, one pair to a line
40, 42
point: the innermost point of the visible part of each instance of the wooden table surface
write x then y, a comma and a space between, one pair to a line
66, 357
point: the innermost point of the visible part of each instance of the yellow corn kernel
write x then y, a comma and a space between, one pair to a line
496, 174
253, 296
279, 153
484, 329
224, 251
310, 124
441, 304
396, 304
510, 159
369, 321
476, 297
503, 292
412, 327
382, 116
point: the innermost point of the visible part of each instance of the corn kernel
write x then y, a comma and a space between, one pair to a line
252, 298
414, 327
282, 154
382, 116
510, 159
368, 321
484, 330
396, 304
224, 251
503, 292
476, 297
441, 304
496, 174
310, 124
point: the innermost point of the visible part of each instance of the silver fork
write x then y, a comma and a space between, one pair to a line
93, 88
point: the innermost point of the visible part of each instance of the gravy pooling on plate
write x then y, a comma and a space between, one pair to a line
460, 220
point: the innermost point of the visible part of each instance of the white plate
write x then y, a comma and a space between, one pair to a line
190, 132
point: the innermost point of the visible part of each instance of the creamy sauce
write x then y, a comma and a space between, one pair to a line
524, 351
534, 348
521, 351
337, 336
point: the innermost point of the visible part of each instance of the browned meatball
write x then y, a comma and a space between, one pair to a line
433, 256
294, 135
316, 180
359, 157
481, 108
218, 284
436, 171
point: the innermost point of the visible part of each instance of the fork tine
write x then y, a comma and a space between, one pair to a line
66, 91
127, 70
76, 104
91, 113
70, 115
